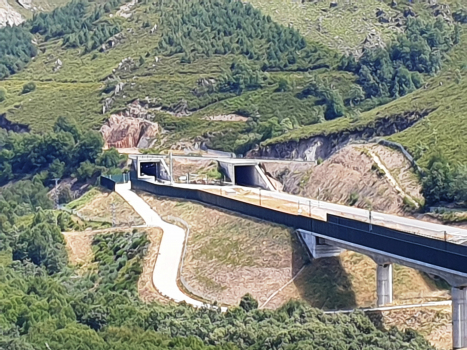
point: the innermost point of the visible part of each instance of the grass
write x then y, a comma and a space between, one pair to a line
441, 132
84, 199
343, 28
39, 109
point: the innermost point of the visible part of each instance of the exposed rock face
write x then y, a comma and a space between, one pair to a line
127, 132
8, 15
323, 146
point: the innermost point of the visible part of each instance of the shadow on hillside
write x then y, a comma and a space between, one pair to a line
438, 282
323, 283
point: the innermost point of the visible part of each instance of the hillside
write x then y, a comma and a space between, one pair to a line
245, 76
441, 103
189, 91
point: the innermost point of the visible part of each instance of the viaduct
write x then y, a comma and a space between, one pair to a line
329, 235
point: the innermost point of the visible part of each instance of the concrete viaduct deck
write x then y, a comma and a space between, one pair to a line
326, 228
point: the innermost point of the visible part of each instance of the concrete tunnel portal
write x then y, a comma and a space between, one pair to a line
154, 168
247, 175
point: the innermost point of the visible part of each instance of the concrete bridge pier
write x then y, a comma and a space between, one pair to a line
383, 284
459, 317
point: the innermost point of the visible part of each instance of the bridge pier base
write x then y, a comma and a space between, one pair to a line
384, 284
459, 317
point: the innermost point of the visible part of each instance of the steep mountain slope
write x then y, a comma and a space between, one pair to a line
233, 78
439, 128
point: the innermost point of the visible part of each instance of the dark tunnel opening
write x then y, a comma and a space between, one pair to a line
247, 175
149, 169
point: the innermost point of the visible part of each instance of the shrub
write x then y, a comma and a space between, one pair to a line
28, 87
353, 198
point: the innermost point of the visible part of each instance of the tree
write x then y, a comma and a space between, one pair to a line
89, 146
283, 85
44, 245
248, 303
68, 124
438, 181
110, 159
86, 171
56, 169
459, 184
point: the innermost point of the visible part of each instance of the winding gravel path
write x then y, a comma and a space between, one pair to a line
170, 251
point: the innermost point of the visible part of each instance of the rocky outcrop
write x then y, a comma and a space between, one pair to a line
127, 132
8, 15
323, 146
27, 4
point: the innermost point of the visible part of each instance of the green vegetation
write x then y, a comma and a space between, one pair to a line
444, 182
46, 304
67, 150
119, 257
209, 27
16, 49
28, 87
395, 70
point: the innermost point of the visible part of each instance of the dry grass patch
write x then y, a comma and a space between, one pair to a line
230, 255
349, 281
99, 209
434, 323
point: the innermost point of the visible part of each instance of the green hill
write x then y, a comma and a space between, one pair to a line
280, 64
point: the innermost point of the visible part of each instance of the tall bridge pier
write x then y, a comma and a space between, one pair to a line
320, 247
383, 284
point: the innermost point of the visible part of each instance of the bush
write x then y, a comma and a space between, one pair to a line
353, 198
2, 94
248, 303
28, 87
86, 171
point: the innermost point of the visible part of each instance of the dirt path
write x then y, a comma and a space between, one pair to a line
390, 178
165, 274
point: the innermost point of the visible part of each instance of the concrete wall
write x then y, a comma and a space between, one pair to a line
228, 170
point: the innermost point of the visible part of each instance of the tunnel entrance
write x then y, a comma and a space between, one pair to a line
248, 175
153, 168
148, 169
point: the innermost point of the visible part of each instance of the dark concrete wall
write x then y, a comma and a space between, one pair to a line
107, 183
406, 245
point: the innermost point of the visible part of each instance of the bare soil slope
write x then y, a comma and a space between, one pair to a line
348, 177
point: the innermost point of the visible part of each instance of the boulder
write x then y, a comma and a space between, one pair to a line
27, 4
127, 132
8, 15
